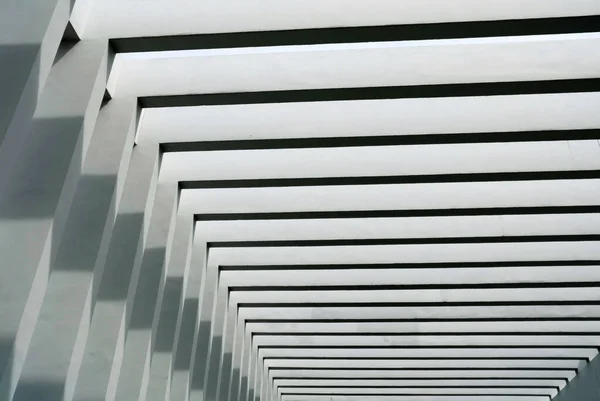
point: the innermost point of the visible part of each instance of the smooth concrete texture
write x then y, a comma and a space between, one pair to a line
406, 160
35, 203
371, 118
66, 306
138, 343
129, 19
356, 211
189, 327
356, 65
115, 290
27, 52
169, 319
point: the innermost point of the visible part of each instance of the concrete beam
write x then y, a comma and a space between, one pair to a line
371, 118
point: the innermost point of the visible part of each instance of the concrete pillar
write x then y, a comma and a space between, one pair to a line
115, 291
66, 305
226, 365
169, 319
245, 364
236, 364
187, 326
38, 193
202, 340
216, 341
132, 382
30, 33
585, 386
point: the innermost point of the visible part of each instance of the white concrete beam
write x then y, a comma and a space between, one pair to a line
499, 59
406, 160
567, 340
432, 375
429, 353
371, 118
461, 195
114, 18
358, 312
420, 253
421, 382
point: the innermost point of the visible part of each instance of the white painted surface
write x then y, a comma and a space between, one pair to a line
124, 18
404, 160
408, 312
574, 326
500, 296
371, 117
422, 253
415, 398
446, 341
407, 276
409, 390
423, 363
356, 65
416, 382
401, 227
393, 197
412, 374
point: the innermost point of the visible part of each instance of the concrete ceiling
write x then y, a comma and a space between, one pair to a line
378, 216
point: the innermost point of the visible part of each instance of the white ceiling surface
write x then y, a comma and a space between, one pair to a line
371, 117
458, 340
457, 333
356, 65
450, 353
424, 327
376, 397
410, 253
412, 390
393, 197
397, 227
467, 158
129, 18
358, 311
416, 382
408, 276
420, 296
431, 373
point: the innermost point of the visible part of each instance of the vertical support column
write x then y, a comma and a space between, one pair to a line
202, 341
30, 33
225, 367
188, 325
244, 371
251, 366
146, 299
258, 375
169, 319
66, 306
215, 349
103, 354
236, 365
37, 195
